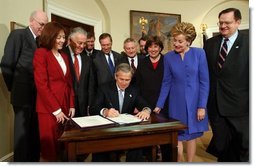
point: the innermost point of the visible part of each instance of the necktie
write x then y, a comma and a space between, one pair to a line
120, 97
37, 42
76, 66
132, 65
110, 64
223, 53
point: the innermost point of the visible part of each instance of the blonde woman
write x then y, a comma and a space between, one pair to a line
186, 82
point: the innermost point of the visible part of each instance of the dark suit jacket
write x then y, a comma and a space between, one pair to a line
230, 86
84, 88
17, 68
149, 81
107, 97
95, 51
125, 60
101, 68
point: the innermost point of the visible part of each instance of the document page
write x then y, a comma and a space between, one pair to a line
126, 119
91, 121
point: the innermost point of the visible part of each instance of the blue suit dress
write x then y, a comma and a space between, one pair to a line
187, 84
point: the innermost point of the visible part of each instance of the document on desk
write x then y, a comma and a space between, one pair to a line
126, 119
92, 121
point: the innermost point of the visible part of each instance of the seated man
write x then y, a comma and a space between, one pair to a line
120, 97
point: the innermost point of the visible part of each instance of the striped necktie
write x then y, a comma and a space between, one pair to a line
223, 53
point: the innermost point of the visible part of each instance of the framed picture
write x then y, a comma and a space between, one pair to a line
15, 25
153, 23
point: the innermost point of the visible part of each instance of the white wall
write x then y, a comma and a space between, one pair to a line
113, 15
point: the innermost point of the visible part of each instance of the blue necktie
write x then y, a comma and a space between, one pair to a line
110, 64
120, 98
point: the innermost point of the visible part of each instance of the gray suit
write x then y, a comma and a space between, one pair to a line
17, 69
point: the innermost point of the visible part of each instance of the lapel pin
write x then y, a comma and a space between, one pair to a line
130, 95
237, 47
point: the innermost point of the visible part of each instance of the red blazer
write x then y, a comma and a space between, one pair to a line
54, 89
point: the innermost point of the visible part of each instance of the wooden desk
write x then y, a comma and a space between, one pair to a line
156, 131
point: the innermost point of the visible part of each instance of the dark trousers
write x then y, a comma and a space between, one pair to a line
165, 153
26, 134
132, 155
230, 141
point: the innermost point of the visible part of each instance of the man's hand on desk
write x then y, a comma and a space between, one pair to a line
144, 114
110, 112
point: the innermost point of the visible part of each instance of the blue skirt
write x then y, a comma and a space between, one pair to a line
183, 135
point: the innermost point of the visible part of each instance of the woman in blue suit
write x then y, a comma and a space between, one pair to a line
186, 81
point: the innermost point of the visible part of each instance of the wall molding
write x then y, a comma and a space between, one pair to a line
7, 158
54, 8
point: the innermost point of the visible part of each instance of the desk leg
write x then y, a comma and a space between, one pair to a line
174, 150
154, 155
71, 151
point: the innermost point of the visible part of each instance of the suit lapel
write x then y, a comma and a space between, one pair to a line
114, 95
56, 64
232, 53
127, 98
216, 53
84, 64
30, 38
104, 62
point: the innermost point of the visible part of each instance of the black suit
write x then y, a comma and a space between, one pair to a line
228, 103
84, 88
101, 69
17, 69
149, 81
125, 60
92, 54
107, 97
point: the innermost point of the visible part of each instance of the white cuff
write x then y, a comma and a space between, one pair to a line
102, 111
57, 112
147, 109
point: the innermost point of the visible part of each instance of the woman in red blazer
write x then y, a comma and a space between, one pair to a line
55, 96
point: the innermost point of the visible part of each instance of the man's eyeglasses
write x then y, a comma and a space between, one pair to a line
78, 43
41, 24
227, 23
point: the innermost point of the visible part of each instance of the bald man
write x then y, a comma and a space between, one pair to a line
17, 70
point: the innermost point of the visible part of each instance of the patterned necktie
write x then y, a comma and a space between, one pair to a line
76, 66
120, 97
110, 64
223, 53
132, 65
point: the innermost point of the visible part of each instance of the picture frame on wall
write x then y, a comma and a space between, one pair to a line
14, 25
151, 24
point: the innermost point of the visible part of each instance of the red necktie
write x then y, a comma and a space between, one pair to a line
76, 66
132, 65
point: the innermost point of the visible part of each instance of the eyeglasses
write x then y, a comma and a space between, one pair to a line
78, 43
41, 24
227, 23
